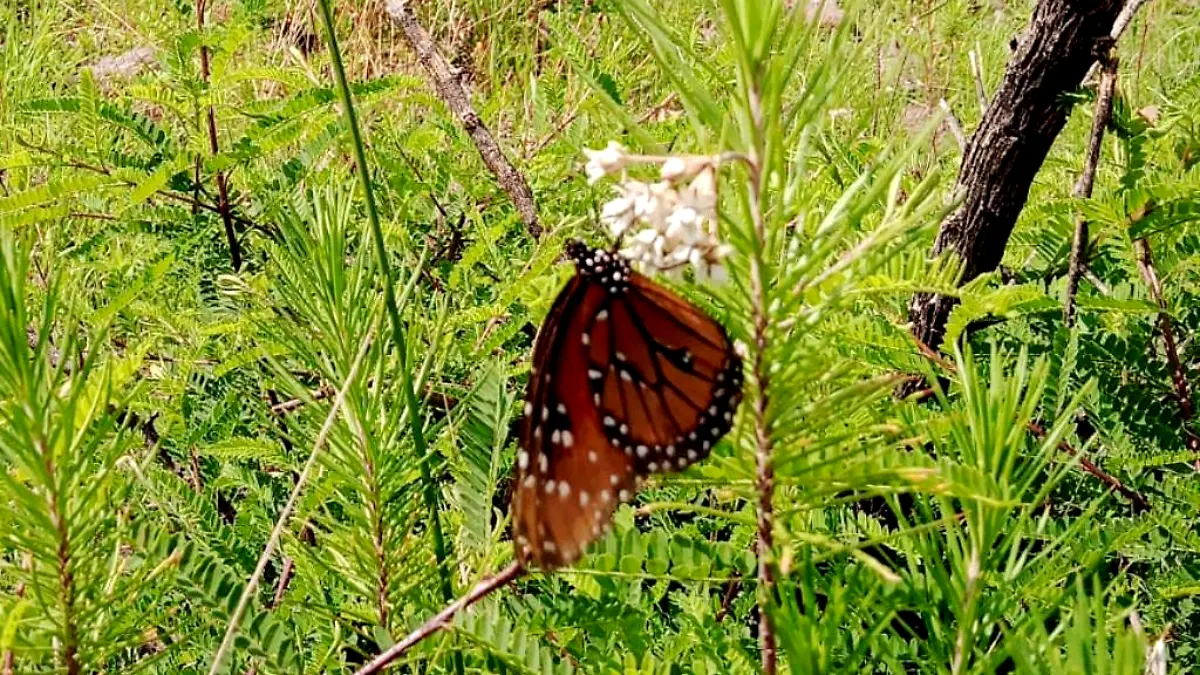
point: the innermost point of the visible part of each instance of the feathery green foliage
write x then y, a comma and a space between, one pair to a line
156, 408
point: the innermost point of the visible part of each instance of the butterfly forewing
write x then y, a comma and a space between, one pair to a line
569, 476
628, 379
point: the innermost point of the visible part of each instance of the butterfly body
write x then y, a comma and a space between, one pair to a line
629, 380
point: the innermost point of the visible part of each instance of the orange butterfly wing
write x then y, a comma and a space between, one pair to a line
629, 379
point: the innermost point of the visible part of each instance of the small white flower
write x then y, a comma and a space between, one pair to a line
669, 224
618, 214
645, 237
601, 163
674, 168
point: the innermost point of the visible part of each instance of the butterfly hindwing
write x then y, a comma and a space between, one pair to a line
569, 476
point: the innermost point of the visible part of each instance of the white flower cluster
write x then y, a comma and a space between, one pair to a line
669, 224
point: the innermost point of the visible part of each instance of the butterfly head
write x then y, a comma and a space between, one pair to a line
602, 267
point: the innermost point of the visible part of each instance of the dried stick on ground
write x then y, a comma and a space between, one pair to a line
1139, 502
285, 515
1178, 374
456, 98
977, 75
956, 129
1024, 117
235, 248
483, 588
1083, 186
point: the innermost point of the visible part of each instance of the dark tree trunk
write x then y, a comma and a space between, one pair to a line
1050, 58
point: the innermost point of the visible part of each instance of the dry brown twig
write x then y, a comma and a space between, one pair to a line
291, 404
456, 98
977, 75
1087, 179
1183, 394
443, 618
235, 247
285, 514
1086, 464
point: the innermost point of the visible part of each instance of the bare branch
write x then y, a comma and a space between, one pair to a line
955, 128
1178, 374
977, 75
1087, 179
455, 97
1125, 18
1087, 465
442, 619
235, 247
286, 514
1120, 24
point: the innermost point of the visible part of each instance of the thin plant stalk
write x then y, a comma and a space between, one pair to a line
1183, 393
1087, 179
764, 444
399, 336
286, 513
235, 248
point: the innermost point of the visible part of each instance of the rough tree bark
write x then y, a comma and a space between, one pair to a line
1049, 60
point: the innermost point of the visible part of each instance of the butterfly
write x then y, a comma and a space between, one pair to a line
628, 380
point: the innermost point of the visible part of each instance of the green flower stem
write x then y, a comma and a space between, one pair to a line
416, 420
